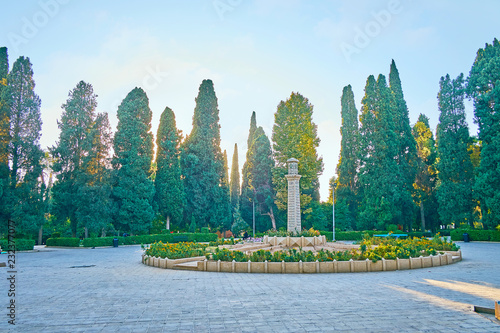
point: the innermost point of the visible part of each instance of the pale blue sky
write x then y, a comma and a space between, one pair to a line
256, 52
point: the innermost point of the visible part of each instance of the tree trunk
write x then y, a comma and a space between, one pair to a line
103, 232
86, 232
168, 222
273, 220
422, 215
40, 235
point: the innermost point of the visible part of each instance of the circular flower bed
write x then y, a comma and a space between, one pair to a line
373, 249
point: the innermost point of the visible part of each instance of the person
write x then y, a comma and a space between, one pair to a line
245, 235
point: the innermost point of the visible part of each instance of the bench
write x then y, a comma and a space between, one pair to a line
392, 235
180, 238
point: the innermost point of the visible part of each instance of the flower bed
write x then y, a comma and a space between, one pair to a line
175, 250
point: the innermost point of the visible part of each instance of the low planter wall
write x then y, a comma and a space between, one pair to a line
351, 266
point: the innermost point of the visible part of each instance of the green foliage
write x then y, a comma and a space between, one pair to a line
169, 194
133, 145
257, 180
455, 172
20, 244
426, 178
406, 156
483, 86
205, 230
149, 239
192, 226
476, 235
346, 184
63, 241
202, 162
378, 166
5, 138
239, 225
235, 181
295, 135
82, 192
26, 193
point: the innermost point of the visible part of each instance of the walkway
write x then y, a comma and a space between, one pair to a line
109, 290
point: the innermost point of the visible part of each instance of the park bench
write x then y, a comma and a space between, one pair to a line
392, 235
180, 238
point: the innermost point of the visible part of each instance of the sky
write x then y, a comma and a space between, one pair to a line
257, 52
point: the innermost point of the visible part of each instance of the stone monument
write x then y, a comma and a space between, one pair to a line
293, 177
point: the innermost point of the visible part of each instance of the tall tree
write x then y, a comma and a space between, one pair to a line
378, 148
24, 148
483, 85
455, 172
69, 152
295, 135
425, 180
95, 206
133, 144
223, 212
347, 168
4, 141
169, 194
406, 151
244, 171
202, 162
235, 180
260, 166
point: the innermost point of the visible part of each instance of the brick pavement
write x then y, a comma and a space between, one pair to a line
119, 294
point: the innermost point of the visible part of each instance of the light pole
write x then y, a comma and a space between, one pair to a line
253, 209
333, 214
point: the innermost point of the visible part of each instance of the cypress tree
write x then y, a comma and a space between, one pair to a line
425, 181
295, 135
4, 141
406, 152
378, 148
74, 144
455, 174
95, 206
235, 181
202, 161
27, 190
244, 172
260, 166
346, 185
133, 144
483, 86
223, 200
169, 194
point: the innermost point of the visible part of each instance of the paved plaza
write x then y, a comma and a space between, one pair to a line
109, 290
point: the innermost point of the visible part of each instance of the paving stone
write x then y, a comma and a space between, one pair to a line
119, 294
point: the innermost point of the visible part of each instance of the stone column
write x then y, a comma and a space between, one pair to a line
294, 223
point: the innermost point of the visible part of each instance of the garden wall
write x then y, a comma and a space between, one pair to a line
352, 266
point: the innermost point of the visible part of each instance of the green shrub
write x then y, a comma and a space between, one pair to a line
205, 230
68, 242
149, 239
476, 235
56, 234
95, 242
20, 244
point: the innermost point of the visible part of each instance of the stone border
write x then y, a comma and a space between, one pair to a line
351, 266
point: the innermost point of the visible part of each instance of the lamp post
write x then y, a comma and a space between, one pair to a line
333, 214
253, 209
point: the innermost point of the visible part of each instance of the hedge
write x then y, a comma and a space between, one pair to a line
63, 241
149, 239
21, 244
476, 235
358, 235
